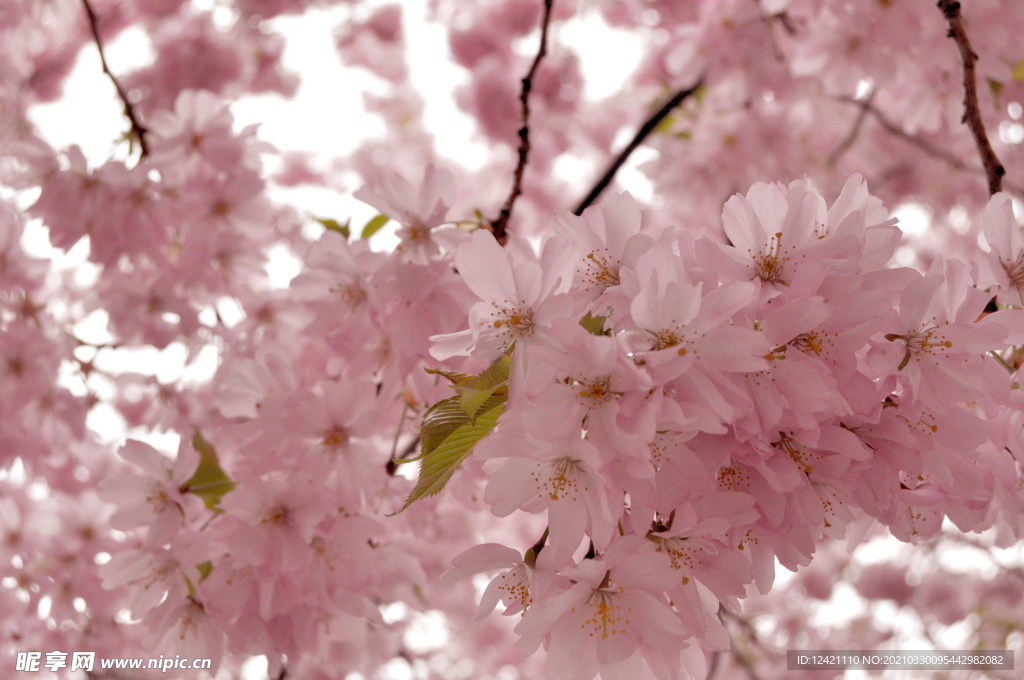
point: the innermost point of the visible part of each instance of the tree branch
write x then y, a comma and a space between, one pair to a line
138, 130
972, 115
645, 129
855, 129
895, 130
499, 226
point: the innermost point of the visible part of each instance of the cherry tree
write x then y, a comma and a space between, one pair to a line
649, 352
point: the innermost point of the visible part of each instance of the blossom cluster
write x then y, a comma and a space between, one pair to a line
692, 394
685, 410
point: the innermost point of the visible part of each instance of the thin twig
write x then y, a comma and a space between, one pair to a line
499, 226
646, 129
392, 465
138, 130
933, 150
1002, 362
530, 556
895, 130
855, 129
398, 430
972, 114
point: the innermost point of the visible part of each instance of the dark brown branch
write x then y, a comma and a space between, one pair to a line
392, 465
972, 114
138, 130
646, 129
500, 226
530, 556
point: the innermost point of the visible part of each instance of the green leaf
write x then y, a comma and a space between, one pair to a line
472, 401
492, 382
439, 422
209, 481
996, 87
496, 374
455, 377
1018, 70
595, 324
665, 125
439, 464
474, 390
700, 93
204, 569
374, 225
335, 225
452, 427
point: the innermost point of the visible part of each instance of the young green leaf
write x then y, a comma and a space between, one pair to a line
335, 225
474, 390
209, 481
439, 422
996, 88
595, 324
664, 126
452, 427
474, 393
374, 225
439, 464
204, 569
455, 377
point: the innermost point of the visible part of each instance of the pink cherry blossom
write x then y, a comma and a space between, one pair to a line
156, 498
419, 211
724, 356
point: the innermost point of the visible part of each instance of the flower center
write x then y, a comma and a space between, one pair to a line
732, 478
768, 265
599, 270
926, 340
560, 481
512, 320
607, 618
803, 458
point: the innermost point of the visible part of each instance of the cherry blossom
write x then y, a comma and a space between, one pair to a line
757, 310
156, 499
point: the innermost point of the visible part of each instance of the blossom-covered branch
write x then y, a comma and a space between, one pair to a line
647, 128
972, 115
138, 130
625, 422
500, 225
